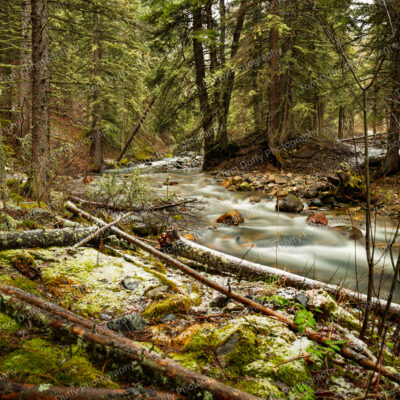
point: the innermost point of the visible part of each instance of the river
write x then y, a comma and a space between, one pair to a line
283, 240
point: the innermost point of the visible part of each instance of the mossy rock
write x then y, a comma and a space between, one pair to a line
174, 304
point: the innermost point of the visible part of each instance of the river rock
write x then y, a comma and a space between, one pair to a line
280, 180
254, 199
317, 219
245, 187
290, 203
315, 203
232, 181
231, 218
350, 232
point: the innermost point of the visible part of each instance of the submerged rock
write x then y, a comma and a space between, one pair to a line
254, 199
290, 203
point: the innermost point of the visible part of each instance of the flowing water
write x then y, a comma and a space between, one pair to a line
284, 240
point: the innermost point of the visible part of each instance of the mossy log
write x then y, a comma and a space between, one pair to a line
246, 269
19, 304
19, 391
44, 238
352, 354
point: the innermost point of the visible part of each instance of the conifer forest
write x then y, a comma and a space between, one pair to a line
199, 199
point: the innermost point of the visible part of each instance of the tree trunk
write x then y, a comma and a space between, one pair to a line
44, 238
200, 69
40, 99
341, 123
392, 160
273, 89
25, 82
97, 137
228, 89
5, 71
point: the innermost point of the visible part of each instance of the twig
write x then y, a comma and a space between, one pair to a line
101, 230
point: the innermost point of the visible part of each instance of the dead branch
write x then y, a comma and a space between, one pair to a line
19, 391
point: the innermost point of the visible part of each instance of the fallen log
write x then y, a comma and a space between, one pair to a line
20, 391
113, 207
100, 231
246, 269
44, 238
346, 351
20, 304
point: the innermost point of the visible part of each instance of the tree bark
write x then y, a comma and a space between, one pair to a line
40, 99
341, 123
21, 304
200, 68
273, 89
20, 391
222, 141
136, 130
5, 70
97, 137
25, 79
44, 238
392, 161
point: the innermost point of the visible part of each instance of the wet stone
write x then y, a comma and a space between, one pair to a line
132, 322
302, 299
130, 283
315, 203
229, 345
167, 318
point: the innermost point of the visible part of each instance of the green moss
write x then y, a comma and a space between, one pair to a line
124, 162
21, 283
17, 198
39, 362
258, 387
29, 224
8, 324
28, 206
174, 304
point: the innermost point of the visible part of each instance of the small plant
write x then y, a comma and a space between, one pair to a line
114, 189
304, 392
319, 352
304, 319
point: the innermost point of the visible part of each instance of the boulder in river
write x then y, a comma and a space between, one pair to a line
231, 218
350, 232
290, 203
317, 219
